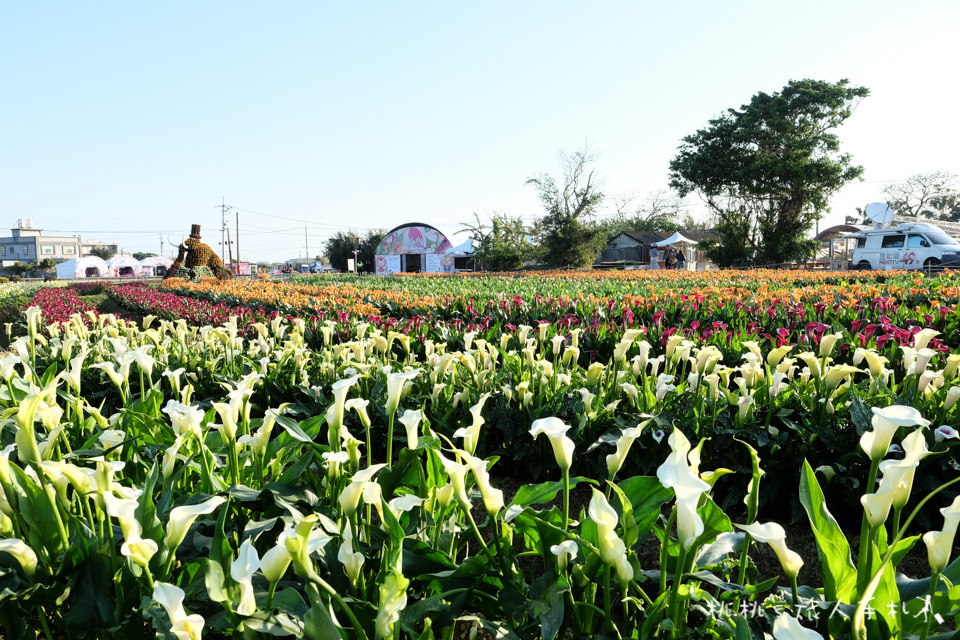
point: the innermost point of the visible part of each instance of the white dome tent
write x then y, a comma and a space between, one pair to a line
85, 267
155, 265
123, 266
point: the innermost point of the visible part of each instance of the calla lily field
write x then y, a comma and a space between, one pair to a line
539, 455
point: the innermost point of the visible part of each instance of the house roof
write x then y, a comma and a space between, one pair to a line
649, 237
644, 237
699, 235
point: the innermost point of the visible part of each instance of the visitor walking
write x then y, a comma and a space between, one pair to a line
681, 260
654, 258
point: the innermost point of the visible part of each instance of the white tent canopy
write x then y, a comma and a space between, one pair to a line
155, 265
123, 266
676, 238
465, 248
85, 267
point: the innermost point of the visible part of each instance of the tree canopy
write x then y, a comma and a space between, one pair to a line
101, 251
501, 245
566, 234
926, 195
660, 211
339, 248
767, 169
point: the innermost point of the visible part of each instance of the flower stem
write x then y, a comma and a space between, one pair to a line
675, 593
607, 617
934, 579
863, 575
390, 440
358, 630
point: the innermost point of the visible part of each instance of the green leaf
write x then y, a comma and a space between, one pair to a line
902, 548
403, 473
34, 506
319, 623
546, 603
887, 597
441, 610
146, 512
753, 496
646, 496
420, 558
90, 601
291, 427
861, 415
627, 519
715, 522
839, 572
218, 565
542, 493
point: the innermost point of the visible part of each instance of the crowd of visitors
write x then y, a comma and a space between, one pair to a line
671, 257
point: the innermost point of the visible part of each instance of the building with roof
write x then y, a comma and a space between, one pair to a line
634, 246
28, 245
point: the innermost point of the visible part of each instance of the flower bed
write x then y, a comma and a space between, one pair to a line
338, 478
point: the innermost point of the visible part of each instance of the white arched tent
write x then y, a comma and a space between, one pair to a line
122, 265
155, 265
85, 267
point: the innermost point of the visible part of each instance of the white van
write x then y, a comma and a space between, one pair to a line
906, 246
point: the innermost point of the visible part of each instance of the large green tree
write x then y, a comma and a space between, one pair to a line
501, 245
568, 235
339, 248
768, 169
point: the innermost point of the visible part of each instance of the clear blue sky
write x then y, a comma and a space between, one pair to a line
127, 121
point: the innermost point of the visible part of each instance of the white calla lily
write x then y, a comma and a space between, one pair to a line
411, 423
676, 473
241, 570
22, 553
786, 627
940, 543
181, 518
555, 429
184, 626
774, 535
613, 551
885, 423
350, 496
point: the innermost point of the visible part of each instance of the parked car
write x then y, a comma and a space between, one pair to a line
907, 246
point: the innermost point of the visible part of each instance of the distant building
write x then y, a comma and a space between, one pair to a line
414, 248
634, 246
29, 246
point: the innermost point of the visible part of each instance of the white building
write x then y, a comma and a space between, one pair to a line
30, 246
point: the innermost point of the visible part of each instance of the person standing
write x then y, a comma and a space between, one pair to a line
671, 258
681, 260
654, 258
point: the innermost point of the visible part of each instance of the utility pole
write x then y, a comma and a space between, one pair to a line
161, 245
229, 248
224, 207
237, 213
306, 242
